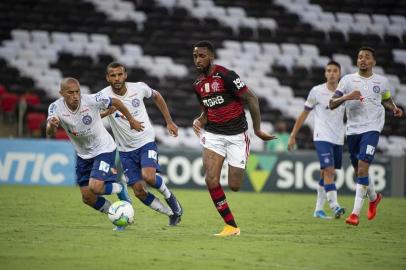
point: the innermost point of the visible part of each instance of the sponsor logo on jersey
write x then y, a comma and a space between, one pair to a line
87, 119
214, 101
98, 97
85, 110
376, 89
52, 109
135, 102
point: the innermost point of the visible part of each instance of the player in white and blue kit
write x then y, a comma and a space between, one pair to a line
328, 137
364, 93
138, 150
79, 115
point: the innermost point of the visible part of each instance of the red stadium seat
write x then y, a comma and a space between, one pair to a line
9, 102
31, 99
35, 122
3, 90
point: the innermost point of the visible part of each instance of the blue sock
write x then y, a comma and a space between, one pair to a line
330, 187
321, 182
173, 204
158, 181
108, 188
363, 180
99, 203
149, 199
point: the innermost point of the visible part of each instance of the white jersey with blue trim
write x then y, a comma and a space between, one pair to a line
128, 139
328, 124
84, 125
366, 114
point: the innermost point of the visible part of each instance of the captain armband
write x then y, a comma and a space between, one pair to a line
386, 95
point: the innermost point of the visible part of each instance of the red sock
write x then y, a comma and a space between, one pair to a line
220, 201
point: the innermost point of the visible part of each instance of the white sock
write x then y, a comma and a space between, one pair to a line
116, 188
332, 199
157, 205
164, 190
321, 198
371, 190
360, 194
105, 207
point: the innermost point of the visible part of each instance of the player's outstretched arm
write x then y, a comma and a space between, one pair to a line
390, 105
337, 99
298, 124
253, 106
163, 108
138, 126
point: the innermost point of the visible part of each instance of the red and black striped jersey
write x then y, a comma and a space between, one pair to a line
219, 95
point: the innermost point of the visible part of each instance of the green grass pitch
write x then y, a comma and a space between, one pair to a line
49, 228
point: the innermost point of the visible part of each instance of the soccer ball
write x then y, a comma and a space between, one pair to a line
121, 213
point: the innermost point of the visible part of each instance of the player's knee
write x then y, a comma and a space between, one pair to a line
212, 180
96, 189
149, 178
87, 199
234, 187
139, 191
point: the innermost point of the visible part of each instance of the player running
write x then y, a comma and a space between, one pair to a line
328, 137
138, 150
79, 115
222, 95
364, 93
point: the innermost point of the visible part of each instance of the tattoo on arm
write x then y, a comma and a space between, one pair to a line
336, 101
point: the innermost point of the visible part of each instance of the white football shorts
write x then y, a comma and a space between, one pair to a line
235, 148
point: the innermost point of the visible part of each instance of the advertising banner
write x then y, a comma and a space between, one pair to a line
48, 162
37, 162
284, 172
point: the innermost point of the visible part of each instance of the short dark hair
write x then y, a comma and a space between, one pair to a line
114, 65
366, 48
332, 62
204, 44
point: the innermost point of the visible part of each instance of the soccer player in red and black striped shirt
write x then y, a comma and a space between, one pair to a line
222, 127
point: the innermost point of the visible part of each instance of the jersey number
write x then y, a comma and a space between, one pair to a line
104, 166
370, 150
238, 83
152, 154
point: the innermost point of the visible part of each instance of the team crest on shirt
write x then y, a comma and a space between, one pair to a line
87, 119
215, 86
376, 88
326, 160
135, 102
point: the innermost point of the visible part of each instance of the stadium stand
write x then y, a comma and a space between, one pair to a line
279, 47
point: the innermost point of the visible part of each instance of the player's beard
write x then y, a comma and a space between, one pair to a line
204, 70
117, 87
